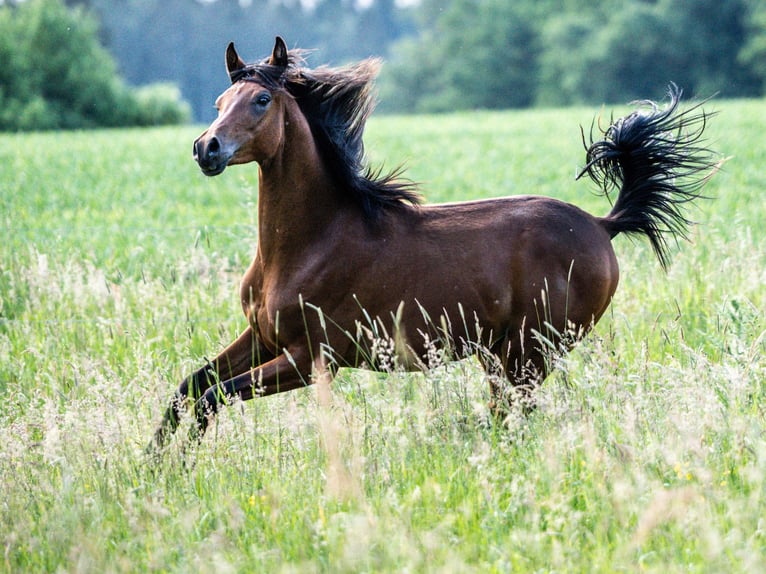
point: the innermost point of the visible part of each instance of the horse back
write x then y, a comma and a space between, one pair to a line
483, 268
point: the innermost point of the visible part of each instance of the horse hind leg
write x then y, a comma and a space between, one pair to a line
515, 366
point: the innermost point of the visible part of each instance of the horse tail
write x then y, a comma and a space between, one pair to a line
658, 161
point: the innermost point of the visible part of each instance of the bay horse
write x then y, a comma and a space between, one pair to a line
346, 254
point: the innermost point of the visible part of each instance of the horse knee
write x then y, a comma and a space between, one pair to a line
190, 388
198, 383
205, 409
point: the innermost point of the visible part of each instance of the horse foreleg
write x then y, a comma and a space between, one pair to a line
239, 357
284, 373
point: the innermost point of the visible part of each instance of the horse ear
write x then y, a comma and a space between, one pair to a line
233, 62
279, 55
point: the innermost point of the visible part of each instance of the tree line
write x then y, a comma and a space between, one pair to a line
498, 54
183, 41
71, 63
55, 74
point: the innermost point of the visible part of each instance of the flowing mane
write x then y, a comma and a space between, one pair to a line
337, 102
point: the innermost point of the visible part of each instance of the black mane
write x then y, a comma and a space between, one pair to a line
337, 103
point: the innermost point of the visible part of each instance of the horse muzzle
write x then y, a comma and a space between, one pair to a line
210, 155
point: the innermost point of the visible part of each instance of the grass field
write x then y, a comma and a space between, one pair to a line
119, 265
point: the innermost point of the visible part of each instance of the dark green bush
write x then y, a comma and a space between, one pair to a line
56, 75
160, 104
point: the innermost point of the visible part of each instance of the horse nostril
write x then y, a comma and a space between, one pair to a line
209, 154
206, 151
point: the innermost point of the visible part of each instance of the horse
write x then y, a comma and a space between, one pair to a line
347, 254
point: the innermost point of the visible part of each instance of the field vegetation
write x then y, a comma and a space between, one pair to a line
119, 265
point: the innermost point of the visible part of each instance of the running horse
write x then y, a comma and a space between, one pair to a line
346, 254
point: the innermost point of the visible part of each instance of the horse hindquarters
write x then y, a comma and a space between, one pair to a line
565, 275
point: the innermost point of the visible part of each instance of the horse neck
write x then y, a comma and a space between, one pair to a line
297, 198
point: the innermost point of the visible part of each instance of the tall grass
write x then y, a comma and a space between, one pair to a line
118, 273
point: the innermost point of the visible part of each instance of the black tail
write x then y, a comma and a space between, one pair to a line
657, 159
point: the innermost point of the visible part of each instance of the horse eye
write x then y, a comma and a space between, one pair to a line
263, 100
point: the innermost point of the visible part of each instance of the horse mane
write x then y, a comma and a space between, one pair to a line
337, 103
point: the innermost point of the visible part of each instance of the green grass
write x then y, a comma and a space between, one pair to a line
119, 266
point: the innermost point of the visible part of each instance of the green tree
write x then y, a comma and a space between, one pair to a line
183, 41
488, 53
57, 75
634, 50
476, 54
20, 106
714, 32
753, 52
563, 65
633, 56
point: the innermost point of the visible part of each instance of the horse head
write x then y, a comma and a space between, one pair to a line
250, 115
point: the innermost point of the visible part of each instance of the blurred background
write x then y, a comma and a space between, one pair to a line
86, 63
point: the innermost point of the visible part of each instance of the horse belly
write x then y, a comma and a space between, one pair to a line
467, 300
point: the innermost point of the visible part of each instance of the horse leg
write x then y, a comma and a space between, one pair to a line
239, 357
516, 365
283, 373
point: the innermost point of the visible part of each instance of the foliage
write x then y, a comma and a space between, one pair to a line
118, 274
753, 53
159, 104
183, 41
442, 56
492, 67
56, 74
495, 54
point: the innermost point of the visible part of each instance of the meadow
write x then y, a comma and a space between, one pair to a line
119, 266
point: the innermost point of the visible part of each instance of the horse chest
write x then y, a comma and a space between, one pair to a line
272, 301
